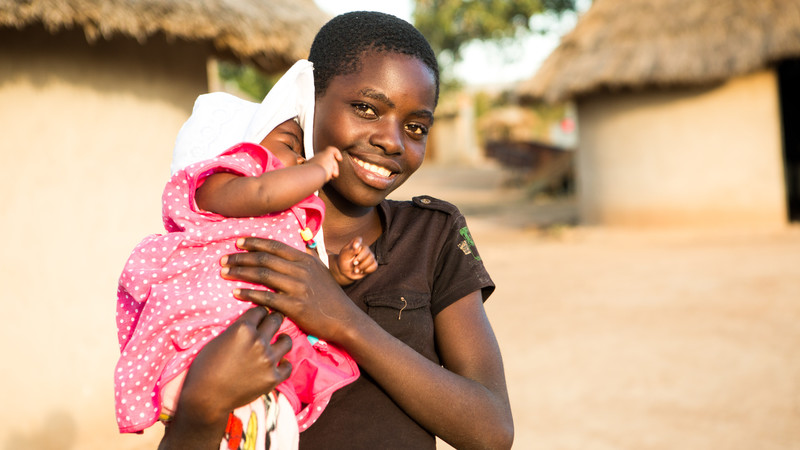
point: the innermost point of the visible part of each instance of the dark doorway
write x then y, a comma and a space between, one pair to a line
789, 91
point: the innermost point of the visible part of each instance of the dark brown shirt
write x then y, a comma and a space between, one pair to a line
426, 261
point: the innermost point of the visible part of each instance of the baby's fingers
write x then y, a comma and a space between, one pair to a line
363, 255
368, 266
334, 170
351, 250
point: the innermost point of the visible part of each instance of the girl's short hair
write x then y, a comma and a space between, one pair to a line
340, 43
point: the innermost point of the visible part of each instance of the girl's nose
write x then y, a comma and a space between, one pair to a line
388, 136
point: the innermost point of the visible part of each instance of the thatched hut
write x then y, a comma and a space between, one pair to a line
688, 111
92, 94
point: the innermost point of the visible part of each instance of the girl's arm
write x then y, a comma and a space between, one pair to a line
232, 195
465, 402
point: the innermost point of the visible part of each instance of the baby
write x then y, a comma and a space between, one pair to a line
172, 299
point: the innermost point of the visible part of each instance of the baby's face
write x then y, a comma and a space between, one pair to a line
286, 143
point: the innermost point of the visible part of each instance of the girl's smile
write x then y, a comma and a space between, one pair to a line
372, 175
378, 170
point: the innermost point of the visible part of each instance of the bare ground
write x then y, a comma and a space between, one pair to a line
634, 339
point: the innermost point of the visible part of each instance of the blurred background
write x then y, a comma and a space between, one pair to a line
630, 170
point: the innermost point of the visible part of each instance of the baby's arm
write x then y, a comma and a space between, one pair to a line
231, 195
354, 262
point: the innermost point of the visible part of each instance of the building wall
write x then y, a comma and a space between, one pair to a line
87, 135
702, 156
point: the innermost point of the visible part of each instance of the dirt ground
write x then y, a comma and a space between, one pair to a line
634, 339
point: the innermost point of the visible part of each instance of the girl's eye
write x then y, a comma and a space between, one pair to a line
417, 130
364, 110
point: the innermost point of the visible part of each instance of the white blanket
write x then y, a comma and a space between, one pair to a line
220, 120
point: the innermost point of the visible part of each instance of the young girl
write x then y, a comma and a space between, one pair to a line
430, 364
171, 300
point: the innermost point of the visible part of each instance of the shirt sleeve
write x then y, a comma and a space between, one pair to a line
180, 209
459, 269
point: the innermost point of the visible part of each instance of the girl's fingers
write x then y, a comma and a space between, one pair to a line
270, 323
259, 297
282, 345
267, 262
254, 317
284, 369
262, 276
253, 244
255, 259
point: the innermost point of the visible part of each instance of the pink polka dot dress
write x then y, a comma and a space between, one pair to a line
171, 300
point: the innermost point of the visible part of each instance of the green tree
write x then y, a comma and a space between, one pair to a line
247, 78
450, 24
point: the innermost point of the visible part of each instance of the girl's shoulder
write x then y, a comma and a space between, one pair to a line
422, 215
425, 202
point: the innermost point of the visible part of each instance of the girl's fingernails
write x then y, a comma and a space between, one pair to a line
240, 242
223, 261
225, 270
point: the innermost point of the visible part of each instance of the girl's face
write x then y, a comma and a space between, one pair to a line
379, 118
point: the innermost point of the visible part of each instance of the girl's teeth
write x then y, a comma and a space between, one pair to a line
382, 171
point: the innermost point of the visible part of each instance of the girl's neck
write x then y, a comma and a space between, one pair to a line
345, 221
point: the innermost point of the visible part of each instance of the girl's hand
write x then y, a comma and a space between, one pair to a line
232, 370
463, 400
304, 289
328, 159
237, 366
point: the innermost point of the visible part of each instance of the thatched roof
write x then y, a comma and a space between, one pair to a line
271, 33
631, 44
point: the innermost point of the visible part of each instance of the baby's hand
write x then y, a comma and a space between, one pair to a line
356, 260
328, 159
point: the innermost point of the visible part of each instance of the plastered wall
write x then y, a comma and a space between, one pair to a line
87, 135
683, 157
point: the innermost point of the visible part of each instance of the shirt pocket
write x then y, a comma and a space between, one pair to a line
406, 316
